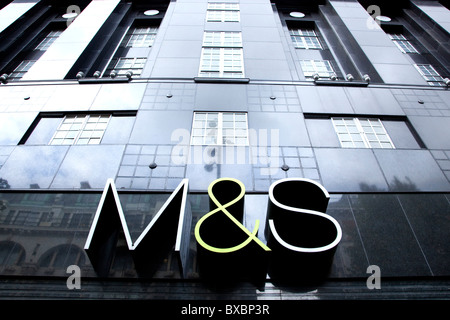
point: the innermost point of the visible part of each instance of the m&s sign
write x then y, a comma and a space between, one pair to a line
301, 237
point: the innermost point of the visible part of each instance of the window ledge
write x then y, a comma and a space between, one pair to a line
221, 80
103, 80
341, 83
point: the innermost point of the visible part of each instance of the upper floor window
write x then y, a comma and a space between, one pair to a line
305, 38
81, 129
430, 74
141, 37
123, 65
222, 39
34, 55
222, 55
402, 43
220, 128
362, 133
222, 12
322, 68
21, 69
48, 40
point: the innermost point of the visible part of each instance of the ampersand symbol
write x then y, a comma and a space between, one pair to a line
227, 184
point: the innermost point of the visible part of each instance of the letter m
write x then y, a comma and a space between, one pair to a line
163, 232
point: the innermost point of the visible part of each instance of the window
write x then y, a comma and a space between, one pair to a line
134, 64
321, 67
132, 50
21, 69
222, 39
402, 43
33, 56
48, 40
362, 133
81, 129
222, 12
223, 6
430, 74
305, 39
141, 37
220, 128
222, 55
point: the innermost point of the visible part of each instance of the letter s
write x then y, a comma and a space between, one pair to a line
302, 237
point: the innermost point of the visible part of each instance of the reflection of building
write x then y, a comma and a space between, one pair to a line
150, 92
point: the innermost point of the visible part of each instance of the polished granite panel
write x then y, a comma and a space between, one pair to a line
72, 97
388, 239
13, 126
411, 170
429, 217
32, 166
88, 167
201, 175
289, 127
324, 100
44, 131
404, 234
322, 133
221, 97
350, 170
350, 259
434, 131
129, 98
118, 130
155, 127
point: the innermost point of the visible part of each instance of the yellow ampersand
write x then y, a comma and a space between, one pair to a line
252, 236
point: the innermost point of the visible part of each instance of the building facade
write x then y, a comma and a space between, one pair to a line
350, 94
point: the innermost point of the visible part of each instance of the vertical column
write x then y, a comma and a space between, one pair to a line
389, 62
56, 62
436, 12
13, 11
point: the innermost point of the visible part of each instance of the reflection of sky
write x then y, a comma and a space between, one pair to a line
94, 164
256, 209
12, 127
32, 165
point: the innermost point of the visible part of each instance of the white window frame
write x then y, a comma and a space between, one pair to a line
81, 130
299, 37
217, 5
218, 133
220, 39
227, 67
433, 78
149, 34
222, 12
48, 40
21, 70
402, 43
221, 57
121, 71
351, 131
317, 65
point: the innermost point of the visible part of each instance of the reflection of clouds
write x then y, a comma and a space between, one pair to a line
35, 165
91, 164
130, 96
335, 197
12, 127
